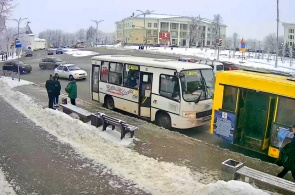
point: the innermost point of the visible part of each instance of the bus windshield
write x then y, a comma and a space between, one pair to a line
197, 85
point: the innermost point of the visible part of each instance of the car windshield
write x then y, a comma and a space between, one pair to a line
19, 62
197, 85
74, 67
57, 60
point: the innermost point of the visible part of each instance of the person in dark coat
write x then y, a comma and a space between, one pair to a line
71, 89
50, 91
287, 158
57, 89
6, 56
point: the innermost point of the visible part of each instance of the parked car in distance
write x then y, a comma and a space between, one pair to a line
50, 63
50, 51
187, 60
230, 66
70, 71
216, 66
29, 53
59, 51
12, 65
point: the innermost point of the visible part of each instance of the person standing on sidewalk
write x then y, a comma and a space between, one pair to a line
57, 89
50, 91
71, 89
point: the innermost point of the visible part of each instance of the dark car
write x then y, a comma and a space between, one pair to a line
230, 66
12, 65
50, 51
59, 51
50, 63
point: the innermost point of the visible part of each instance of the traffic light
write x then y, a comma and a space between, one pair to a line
220, 42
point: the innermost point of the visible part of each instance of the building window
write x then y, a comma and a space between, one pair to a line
291, 30
149, 32
173, 26
164, 25
208, 43
155, 25
115, 73
155, 32
149, 25
291, 36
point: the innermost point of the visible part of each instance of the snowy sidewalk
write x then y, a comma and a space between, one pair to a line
160, 161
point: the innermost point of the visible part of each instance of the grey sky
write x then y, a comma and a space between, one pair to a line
249, 18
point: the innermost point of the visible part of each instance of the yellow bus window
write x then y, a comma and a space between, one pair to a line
229, 98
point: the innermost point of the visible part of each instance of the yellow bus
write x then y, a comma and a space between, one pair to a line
254, 109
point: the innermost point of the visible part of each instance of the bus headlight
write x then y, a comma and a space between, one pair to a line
189, 114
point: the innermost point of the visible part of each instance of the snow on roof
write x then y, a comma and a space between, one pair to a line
38, 39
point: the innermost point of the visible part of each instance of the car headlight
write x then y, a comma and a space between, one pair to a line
189, 114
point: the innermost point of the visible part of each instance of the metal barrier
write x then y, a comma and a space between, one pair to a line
234, 170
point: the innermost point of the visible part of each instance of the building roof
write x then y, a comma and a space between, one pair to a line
167, 16
153, 62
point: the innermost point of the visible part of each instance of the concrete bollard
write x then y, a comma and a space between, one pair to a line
229, 169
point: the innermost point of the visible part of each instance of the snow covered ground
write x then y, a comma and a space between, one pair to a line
103, 148
224, 56
78, 53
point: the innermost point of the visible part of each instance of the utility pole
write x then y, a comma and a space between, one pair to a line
96, 22
18, 49
277, 45
144, 14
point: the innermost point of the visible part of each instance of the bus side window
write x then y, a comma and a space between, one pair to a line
131, 76
115, 74
104, 72
169, 87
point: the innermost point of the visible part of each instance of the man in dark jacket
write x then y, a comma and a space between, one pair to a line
71, 89
57, 89
50, 91
287, 158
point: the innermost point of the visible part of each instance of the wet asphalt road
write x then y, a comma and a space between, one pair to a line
38, 163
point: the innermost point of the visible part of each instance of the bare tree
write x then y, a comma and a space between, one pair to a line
81, 35
270, 42
6, 8
195, 31
216, 28
229, 42
90, 34
235, 40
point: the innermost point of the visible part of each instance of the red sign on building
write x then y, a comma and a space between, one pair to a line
164, 35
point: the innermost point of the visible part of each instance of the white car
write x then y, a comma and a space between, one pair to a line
70, 71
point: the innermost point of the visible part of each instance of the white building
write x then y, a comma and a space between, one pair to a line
133, 30
289, 33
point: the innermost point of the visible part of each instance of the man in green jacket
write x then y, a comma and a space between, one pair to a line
71, 89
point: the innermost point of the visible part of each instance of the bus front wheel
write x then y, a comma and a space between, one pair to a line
163, 120
109, 103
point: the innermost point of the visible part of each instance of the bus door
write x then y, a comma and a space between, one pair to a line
145, 93
255, 117
95, 82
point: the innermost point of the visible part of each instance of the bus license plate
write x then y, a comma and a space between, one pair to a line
207, 118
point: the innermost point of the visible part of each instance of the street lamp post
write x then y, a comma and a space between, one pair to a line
18, 50
96, 22
277, 45
144, 14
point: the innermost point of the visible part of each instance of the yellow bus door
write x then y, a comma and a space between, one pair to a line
269, 120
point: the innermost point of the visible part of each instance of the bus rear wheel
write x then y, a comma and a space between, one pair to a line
163, 120
109, 103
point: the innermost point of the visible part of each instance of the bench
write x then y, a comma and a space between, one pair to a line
111, 121
234, 170
84, 115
